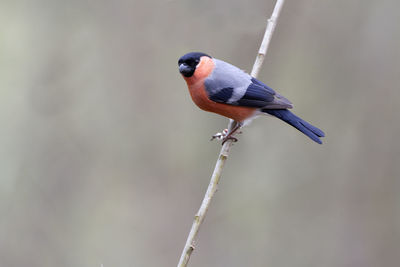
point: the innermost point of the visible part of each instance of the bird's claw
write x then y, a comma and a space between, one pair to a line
220, 136
225, 136
234, 139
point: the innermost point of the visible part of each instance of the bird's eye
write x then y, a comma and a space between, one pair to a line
192, 62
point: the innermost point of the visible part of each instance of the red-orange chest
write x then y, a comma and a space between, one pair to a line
200, 98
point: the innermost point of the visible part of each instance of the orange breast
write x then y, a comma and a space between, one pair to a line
200, 97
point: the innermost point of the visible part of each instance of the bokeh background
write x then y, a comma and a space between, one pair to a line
104, 159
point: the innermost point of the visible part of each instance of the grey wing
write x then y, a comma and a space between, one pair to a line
230, 85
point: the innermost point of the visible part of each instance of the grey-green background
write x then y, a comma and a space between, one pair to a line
104, 158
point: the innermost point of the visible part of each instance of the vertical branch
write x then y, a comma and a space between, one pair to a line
267, 38
223, 154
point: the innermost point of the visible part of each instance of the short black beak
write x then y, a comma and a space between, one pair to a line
185, 70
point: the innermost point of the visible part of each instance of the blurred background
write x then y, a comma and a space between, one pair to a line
104, 158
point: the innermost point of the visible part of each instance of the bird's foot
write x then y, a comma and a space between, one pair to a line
225, 136
234, 139
220, 136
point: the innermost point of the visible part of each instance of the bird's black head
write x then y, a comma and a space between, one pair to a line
187, 63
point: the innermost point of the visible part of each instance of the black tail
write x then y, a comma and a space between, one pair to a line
313, 132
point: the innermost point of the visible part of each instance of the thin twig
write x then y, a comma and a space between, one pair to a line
267, 38
223, 154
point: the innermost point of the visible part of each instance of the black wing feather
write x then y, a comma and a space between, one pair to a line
223, 95
257, 95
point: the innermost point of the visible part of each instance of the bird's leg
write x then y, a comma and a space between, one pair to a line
229, 136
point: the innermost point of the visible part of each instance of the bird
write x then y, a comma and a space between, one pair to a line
220, 87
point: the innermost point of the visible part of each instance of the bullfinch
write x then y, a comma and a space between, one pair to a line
219, 87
